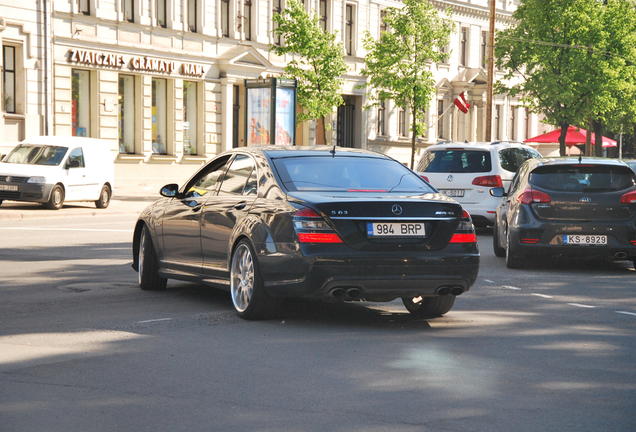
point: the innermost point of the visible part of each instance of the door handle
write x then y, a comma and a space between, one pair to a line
240, 206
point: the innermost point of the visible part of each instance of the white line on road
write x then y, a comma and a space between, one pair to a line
581, 305
153, 320
626, 313
66, 229
541, 295
511, 287
489, 281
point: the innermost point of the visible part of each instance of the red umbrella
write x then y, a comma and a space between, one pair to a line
575, 135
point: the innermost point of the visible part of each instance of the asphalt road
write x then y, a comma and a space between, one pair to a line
549, 348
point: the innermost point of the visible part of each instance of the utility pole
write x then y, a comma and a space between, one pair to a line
490, 48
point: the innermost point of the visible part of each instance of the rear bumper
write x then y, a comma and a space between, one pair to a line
375, 276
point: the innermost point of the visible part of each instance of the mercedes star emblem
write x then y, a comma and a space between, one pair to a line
396, 209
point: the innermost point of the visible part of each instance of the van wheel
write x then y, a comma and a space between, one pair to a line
56, 200
0, 202
428, 307
104, 197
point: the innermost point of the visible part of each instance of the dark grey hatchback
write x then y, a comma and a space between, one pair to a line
568, 206
333, 224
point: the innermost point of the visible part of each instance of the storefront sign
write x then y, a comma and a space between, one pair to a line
134, 63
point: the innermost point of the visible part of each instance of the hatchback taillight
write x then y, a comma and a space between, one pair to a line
488, 181
628, 198
531, 196
312, 228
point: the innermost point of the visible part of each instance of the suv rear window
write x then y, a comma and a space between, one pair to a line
352, 174
512, 158
582, 178
455, 161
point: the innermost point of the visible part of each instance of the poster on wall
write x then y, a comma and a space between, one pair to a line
285, 116
258, 115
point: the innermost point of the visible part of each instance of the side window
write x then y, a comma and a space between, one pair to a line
76, 158
251, 185
512, 158
207, 180
516, 181
236, 178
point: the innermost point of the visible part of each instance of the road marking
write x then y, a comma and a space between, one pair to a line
489, 281
626, 313
581, 305
511, 287
541, 295
153, 320
66, 229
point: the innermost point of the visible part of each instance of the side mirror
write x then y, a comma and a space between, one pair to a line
170, 190
498, 192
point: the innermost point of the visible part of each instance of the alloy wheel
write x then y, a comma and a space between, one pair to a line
242, 277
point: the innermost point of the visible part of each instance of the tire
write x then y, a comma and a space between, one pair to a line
148, 265
514, 260
0, 202
56, 200
496, 245
249, 298
429, 307
104, 197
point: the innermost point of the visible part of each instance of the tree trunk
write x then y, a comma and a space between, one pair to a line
413, 132
564, 132
598, 138
324, 129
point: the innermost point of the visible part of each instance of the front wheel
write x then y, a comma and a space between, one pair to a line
104, 197
246, 285
56, 200
148, 265
428, 307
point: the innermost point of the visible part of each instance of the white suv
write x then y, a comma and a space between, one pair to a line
467, 171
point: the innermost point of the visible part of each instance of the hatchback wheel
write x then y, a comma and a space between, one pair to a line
514, 259
428, 307
104, 197
496, 244
246, 286
148, 265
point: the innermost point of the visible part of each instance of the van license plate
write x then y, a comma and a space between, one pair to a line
10, 188
396, 229
453, 192
586, 240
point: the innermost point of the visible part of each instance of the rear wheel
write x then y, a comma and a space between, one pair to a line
0, 202
514, 259
148, 265
496, 244
104, 197
246, 285
56, 200
428, 307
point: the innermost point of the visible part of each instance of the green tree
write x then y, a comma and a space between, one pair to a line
317, 61
397, 63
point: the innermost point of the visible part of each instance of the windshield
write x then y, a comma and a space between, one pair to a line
348, 174
455, 161
582, 178
30, 154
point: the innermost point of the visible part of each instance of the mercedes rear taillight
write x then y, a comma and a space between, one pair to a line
310, 227
465, 231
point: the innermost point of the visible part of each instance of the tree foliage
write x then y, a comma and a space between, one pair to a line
317, 61
397, 63
574, 56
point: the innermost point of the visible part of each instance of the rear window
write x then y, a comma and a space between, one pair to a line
352, 174
582, 178
512, 158
455, 161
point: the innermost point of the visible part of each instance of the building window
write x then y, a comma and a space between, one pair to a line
8, 79
349, 29
484, 43
402, 123
126, 117
225, 18
496, 134
159, 115
322, 14
277, 9
463, 46
247, 19
128, 8
383, 26
513, 123
160, 7
192, 15
190, 126
440, 119
381, 118
83, 7
80, 102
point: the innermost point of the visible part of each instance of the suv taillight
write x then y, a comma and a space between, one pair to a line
531, 196
628, 198
312, 228
488, 181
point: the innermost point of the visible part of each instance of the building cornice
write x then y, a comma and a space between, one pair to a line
472, 10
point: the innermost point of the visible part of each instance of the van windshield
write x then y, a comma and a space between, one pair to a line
30, 154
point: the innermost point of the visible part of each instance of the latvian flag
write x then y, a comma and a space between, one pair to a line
462, 103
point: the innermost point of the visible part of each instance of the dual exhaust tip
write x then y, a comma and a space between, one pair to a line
450, 289
346, 293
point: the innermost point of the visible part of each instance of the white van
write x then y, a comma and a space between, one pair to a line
55, 169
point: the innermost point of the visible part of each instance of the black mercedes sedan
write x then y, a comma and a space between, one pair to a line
576, 208
324, 223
